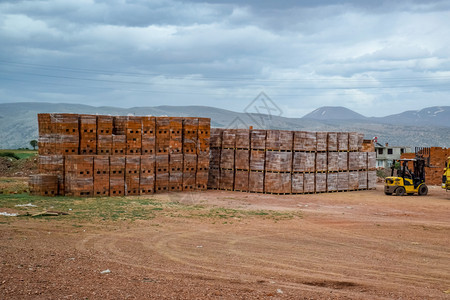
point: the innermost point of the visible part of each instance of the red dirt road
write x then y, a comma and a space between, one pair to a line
356, 245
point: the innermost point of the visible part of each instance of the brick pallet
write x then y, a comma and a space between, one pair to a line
44, 185
101, 175
147, 177
88, 134
79, 175
289, 162
148, 135
93, 155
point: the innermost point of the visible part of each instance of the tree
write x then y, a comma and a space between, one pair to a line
33, 144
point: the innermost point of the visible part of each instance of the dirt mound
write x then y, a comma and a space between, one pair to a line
10, 167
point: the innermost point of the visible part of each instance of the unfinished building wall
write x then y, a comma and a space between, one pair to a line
437, 158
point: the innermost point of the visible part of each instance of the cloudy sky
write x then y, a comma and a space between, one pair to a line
375, 57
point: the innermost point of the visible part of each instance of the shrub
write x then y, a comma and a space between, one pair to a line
383, 173
9, 154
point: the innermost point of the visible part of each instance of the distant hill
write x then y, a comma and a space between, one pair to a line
434, 116
430, 116
427, 127
334, 113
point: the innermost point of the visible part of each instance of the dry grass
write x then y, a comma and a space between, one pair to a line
13, 192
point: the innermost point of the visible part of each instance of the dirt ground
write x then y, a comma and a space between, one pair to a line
353, 245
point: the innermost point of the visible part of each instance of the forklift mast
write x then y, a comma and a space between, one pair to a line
419, 171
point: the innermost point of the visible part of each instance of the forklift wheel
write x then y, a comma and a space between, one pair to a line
400, 191
423, 190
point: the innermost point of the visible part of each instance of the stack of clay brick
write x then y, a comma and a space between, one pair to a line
88, 155
437, 158
289, 162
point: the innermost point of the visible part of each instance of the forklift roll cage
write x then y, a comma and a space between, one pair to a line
417, 176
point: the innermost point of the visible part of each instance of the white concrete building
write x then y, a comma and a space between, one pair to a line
386, 153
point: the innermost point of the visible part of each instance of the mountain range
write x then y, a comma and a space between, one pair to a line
423, 128
431, 116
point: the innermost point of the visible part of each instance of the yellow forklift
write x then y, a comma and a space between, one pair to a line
407, 181
446, 176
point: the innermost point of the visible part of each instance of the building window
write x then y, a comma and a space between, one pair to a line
380, 151
402, 151
390, 151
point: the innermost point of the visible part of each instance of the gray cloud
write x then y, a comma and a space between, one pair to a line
304, 54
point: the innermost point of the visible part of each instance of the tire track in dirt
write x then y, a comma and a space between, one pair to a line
342, 248
374, 248
314, 264
191, 263
290, 258
195, 265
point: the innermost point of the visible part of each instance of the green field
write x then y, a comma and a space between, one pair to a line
20, 153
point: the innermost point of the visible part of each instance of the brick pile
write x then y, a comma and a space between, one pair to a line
368, 146
438, 156
88, 155
289, 162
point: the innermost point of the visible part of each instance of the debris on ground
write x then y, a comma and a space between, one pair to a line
49, 213
5, 214
45, 213
22, 167
26, 205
